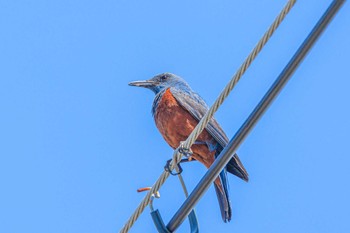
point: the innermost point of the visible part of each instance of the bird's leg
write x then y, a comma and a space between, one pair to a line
187, 152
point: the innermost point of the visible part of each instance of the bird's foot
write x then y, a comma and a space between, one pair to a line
187, 152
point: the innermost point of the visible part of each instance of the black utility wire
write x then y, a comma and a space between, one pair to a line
266, 101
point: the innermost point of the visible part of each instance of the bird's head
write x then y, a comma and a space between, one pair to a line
161, 82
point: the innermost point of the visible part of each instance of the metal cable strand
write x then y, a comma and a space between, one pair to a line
204, 121
181, 179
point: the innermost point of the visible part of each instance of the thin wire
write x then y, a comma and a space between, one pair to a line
204, 121
181, 181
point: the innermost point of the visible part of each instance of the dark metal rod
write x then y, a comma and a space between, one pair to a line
238, 138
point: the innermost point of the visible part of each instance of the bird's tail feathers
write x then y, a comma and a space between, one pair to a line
221, 188
236, 168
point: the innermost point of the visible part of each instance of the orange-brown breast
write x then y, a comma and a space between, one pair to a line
175, 124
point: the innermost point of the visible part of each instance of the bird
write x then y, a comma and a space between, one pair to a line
177, 109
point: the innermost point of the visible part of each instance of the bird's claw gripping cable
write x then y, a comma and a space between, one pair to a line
187, 152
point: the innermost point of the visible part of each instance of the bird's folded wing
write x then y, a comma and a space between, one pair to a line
197, 107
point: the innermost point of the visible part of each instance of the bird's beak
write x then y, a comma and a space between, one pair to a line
145, 83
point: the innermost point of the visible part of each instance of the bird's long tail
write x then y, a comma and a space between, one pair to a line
221, 188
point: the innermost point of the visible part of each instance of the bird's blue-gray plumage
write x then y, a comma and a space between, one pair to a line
196, 106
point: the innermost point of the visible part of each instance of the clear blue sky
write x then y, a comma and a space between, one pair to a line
76, 141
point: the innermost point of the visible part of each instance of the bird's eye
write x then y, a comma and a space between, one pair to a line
164, 77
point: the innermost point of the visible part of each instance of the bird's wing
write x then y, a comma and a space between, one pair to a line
193, 103
197, 107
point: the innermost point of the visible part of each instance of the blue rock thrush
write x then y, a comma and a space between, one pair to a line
177, 110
